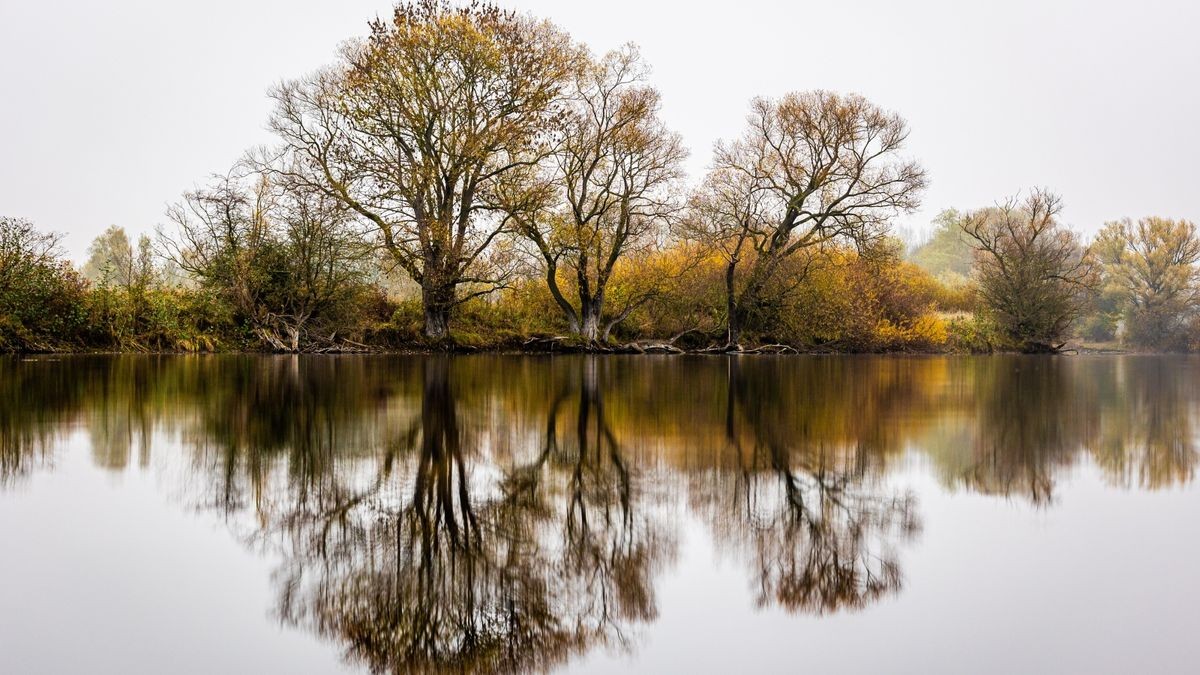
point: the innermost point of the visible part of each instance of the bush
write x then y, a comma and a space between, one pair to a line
975, 334
854, 302
1099, 327
41, 295
927, 332
164, 319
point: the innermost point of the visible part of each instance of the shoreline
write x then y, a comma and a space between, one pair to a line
622, 350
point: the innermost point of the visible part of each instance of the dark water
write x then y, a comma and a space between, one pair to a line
500, 514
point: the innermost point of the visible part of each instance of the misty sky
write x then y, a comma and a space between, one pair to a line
110, 109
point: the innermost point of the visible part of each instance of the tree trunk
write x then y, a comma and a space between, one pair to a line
732, 320
589, 328
296, 330
437, 302
563, 304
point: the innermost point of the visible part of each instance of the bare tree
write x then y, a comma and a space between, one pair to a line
414, 126
22, 247
810, 168
607, 190
1034, 275
287, 257
218, 229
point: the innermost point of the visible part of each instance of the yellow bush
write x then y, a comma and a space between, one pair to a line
928, 332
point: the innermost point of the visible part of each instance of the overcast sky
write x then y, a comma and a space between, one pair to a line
110, 109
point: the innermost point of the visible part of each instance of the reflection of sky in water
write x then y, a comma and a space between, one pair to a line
1058, 546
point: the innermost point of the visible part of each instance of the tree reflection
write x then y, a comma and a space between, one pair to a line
1032, 422
43, 399
818, 528
269, 431
121, 415
492, 514
1148, 431
33, 405
1032, 419
608, 533
436, 558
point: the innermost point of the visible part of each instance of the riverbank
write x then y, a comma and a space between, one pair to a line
559, 345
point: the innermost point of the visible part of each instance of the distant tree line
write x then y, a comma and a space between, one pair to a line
471, 176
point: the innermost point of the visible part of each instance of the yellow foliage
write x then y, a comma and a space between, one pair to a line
927, 332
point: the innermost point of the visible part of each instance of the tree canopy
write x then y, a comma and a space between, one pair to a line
1035, 276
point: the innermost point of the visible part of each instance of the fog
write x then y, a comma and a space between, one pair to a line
109, 110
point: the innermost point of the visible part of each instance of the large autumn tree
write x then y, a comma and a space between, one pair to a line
413, 127
810, 168
608, 190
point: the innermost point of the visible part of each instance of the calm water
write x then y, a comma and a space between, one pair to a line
500, 514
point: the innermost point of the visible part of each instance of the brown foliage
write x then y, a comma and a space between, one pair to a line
810, 169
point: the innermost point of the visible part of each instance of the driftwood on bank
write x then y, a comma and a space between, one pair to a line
568, 344
302, 343
565, 344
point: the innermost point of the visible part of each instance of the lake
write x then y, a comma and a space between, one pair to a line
427, 514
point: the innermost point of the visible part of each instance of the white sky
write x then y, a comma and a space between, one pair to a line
110, 109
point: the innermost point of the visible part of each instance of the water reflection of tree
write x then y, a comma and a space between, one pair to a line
1034, 418
1031, 422
42, 399
440, 514
427, 562
122, 409
811, 515
33, 404
1147, 433
282, 428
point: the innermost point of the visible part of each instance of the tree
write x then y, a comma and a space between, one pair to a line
286, 257
22, 246
414, 126
810, 168
121, 311
113, 260
1034, 276
947, 252
1152, 265
110, 256
608, 189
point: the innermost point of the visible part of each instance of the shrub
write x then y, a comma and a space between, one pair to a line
975, 334
41, 295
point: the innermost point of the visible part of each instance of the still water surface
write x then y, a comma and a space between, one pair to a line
612, 514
